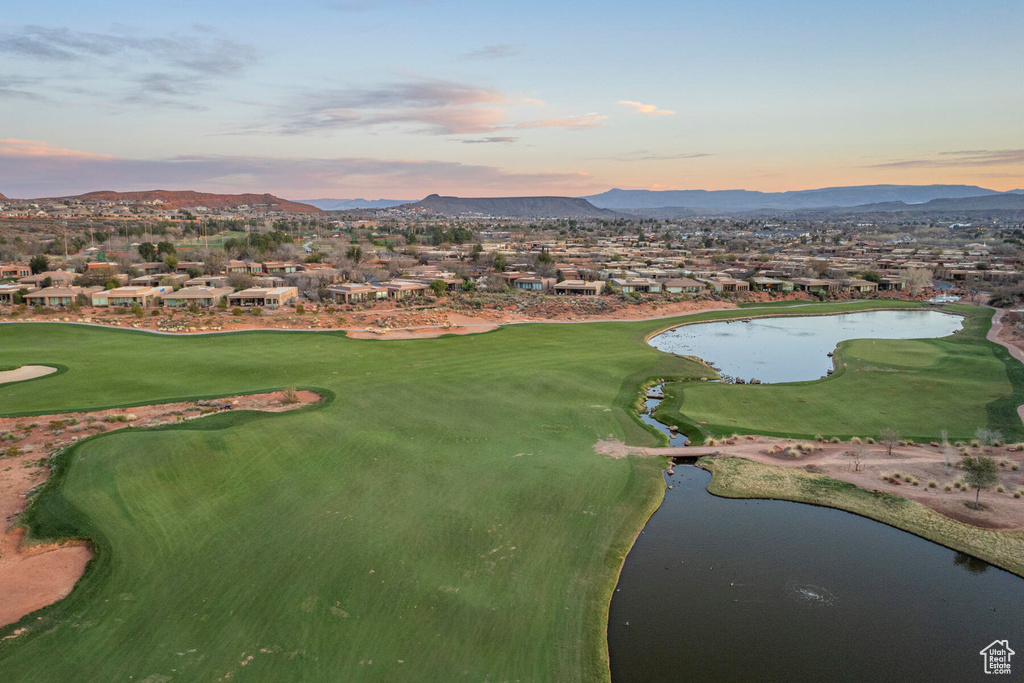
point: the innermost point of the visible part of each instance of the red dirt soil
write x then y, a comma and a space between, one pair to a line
34, 577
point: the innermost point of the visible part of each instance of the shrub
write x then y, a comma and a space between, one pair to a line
856, 440
290, 397
1014, 467
300, 309
975, 443
1004, 462
869, 440
56, 424
884, 476
256, 311
932, 483
948, 487
237, 312
1017, 494
835, 439
897, 475
1000, 489
819, 437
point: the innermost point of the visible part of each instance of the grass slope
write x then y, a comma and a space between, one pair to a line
739, 478
958, 383
445, 508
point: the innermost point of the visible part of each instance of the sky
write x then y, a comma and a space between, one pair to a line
403, 98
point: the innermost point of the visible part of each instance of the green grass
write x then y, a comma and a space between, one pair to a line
739, 478
443, 507
958, 383
403, 504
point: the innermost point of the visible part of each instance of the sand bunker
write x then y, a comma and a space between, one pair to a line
25, 372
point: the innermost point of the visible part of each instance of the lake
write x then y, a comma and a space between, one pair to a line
793, 349
719, 589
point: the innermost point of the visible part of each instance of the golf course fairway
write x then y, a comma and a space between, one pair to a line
441, 515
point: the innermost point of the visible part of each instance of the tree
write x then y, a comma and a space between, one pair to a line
856, 454
439, 287
354, 253
147, 251
171, 261
39, 264
500, 263
889, 438
166, 248
916, 280
980, 472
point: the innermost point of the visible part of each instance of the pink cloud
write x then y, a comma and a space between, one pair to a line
31, 148
646, 109
591, 120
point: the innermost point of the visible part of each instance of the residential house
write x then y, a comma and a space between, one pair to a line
264, 297
352, 292
58, 296
639, 285
815, 285
62, 278
246, 267
130, 296
13, 271
207, 281
532, 283
9, 291
279, 267
204, 297
405, 289
684, 286
579, 287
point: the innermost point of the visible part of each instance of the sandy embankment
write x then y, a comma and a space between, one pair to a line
25, 372
34, 577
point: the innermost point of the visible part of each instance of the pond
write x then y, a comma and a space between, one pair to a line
797, 348
719, 589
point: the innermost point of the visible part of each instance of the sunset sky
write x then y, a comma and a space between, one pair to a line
401, 98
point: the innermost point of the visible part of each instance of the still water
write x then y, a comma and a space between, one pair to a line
741, 590
795, 349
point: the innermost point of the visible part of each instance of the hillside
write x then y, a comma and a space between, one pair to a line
511, 207
2, 197
329, 204
1007, 201
748, 200
184, 199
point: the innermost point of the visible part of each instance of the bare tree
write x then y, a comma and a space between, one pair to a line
947, 450
916, 280
856, 455
890, 438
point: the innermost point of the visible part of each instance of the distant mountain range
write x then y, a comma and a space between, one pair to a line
185, 199
348, 204
747, 200
1013, 200
511, 207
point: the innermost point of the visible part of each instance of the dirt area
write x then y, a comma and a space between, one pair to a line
921, 463
25, 372
33, 577
458, 314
